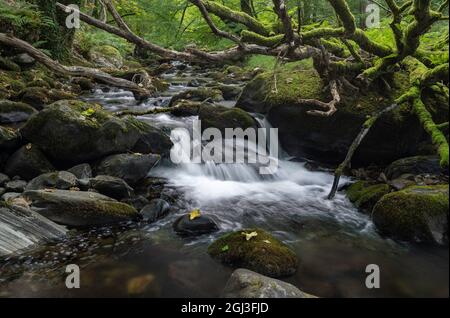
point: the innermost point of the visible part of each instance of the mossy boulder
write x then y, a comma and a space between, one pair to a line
414, 166
79, 209
75, 132
106, 56
365, 194
28, 162
262, 253
198, 95
327, 139
8, 65
12, 112
417, 214
220, 117
9, 139
151, 140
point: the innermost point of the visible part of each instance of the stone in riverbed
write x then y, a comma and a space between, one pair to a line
28, 162
81, 171
15, 186
112, 187
415, 166
417, 214
130, 167
9, 138
244, 283
155, 210
184, 226
261, 253
12, 112
62, 180
8, 196
365, 194
138, 202
198, 95
220, 117
79, 209
3, 179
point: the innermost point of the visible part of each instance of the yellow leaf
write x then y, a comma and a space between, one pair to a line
267, 242
194, 214
89, 112
249, 236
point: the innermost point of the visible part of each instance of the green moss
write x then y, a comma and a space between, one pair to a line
8, 65
418, 213
262, 253
222, 118
365, 195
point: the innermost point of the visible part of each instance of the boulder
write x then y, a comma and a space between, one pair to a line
229, 92
8, 65
15, 186
79, 209
198, 95
138, 202
417, 214
256, 250
39, 97
75, 132
112, 187
414, 166
12, 112
184, 226
365, 194
8, 196
28, 162
327, 139
62, 180
151, 139
130, 167
3, 179
214, 116
9, 138
155, 210
247, 284
81, 171
105, 56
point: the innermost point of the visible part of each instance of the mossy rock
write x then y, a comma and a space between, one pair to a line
80, 209
198, 95
11, 83
327, 139
414, 165
12, 112
365, 195
8, 65
220, 117
262, 253
106, 56
9, 138
34, 96
28, 162
417, 214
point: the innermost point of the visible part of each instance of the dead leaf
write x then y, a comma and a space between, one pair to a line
194, 214
249, 236
29, 146
225, 248
267, 241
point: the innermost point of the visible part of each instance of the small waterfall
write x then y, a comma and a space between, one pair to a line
21, 228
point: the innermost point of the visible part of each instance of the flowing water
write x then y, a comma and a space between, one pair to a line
333, 240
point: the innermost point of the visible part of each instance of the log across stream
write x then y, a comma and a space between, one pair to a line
335, 243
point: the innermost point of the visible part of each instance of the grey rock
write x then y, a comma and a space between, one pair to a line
184, 226
28, 162
10, 196
112, 187
12, 112
15, 186
3, 179
9, 138
414, 166
244, 283
62, 180
155, 210
82, 171
138, 202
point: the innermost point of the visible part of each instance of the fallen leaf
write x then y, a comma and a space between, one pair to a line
267, 241
225, 248
88, 112
28, 147
249, 236
194, 214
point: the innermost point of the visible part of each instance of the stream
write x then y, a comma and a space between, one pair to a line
335, 243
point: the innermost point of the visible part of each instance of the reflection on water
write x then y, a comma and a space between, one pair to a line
333, 240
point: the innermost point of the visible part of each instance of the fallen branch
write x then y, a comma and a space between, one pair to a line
354, 146
76, 71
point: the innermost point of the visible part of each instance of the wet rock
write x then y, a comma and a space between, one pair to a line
247, 284
261, 253
84, 83
3, 179
2, 191
81, 171
230, 92
15, 186
155, 210
28, 162
62, 180
414, 166
105, 56
151, 139
138, 202
112, 187
79, 209
8, 196
9, 138
75, 132
12, 112
401, 183
417, 214
130, 167
198, 95
213, 116
184, 226
366, 194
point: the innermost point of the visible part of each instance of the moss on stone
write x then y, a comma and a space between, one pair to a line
365, 195
418, 213
262, 253
8, 65
213, 116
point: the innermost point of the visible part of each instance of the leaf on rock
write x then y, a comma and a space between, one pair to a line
249, 236
267, 242
194, 214
226, 248
88, 112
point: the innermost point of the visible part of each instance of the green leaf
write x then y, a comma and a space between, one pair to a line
226, 248
89, 112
